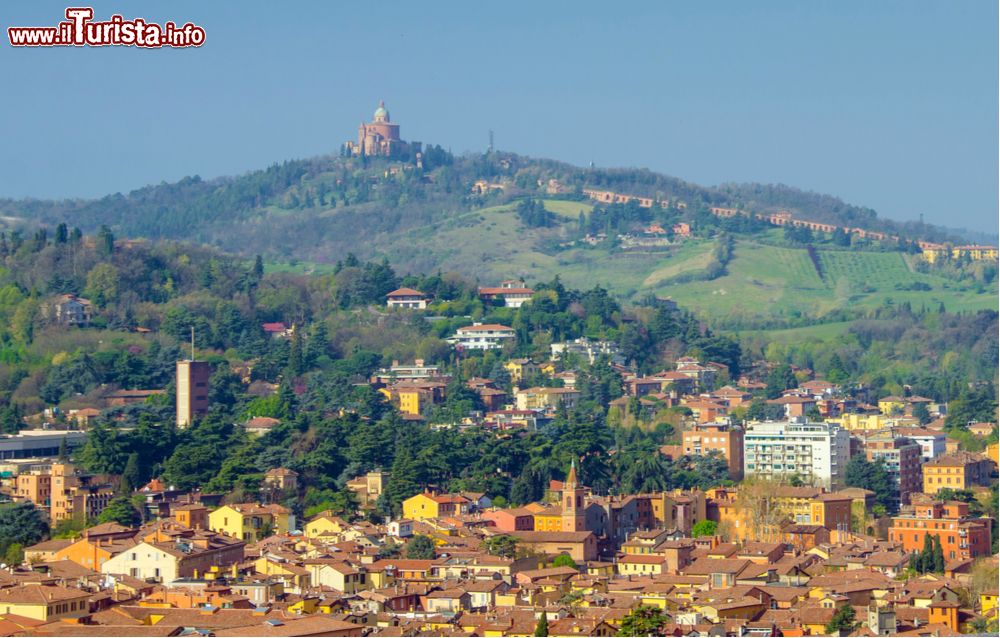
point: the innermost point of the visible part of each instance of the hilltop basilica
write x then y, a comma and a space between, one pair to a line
380, 138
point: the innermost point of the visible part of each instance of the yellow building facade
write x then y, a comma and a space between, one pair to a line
891, 405
420, 507
324, 525
861, 421
44, 602
249, 521
548, 521
938, 476
518, 369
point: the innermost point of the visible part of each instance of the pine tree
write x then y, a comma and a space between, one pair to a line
317, 345
404, 480
420, 547
837, 373
287, 401
642, 621
121, 511
843, 621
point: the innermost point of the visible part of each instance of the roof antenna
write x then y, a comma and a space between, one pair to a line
192, 343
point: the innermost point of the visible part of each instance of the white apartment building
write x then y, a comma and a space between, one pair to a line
816, 452
931, 442
416, 371
481, 336
589, 350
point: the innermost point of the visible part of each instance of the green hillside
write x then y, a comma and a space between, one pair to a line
768, 280
308, 215
762, 280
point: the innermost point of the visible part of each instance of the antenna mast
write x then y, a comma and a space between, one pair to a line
490, 149
192, 343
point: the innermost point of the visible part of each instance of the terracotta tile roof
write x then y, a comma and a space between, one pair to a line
404, 564
956, 459
60, 628
105, 528
12, 624
642, 559
262, 422
705, 566
53, 545
39, 594
257, 508
552, 537
405, 292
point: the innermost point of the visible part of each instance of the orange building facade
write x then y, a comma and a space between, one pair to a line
961, 536
726, 439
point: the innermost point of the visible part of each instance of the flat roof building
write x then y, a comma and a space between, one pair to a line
28, 444
815, 452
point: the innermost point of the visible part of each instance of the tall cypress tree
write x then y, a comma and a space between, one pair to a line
927, 555
296, 361
131, 478
542, 628
938, 556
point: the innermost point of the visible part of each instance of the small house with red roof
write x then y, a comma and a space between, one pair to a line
406, 298
512, 293
277, 330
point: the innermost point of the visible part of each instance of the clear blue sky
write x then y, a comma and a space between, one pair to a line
887, 104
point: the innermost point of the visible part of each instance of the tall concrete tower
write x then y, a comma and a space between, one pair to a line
192, 390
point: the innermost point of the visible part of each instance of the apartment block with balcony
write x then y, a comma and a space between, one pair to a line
901, 458
817, 453
482, 336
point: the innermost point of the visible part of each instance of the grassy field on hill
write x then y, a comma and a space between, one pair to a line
767, 280
821, 332
762, 280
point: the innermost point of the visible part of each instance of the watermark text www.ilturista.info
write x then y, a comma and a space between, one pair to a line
81, 30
